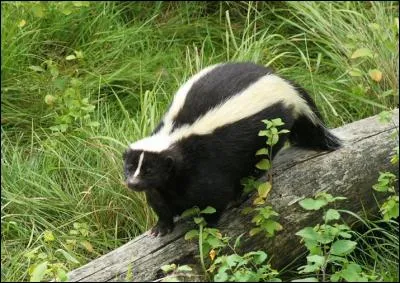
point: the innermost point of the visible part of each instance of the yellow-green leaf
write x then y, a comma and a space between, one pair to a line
375, 75
355, 72
264, 164
48, 236
362, 52
88, 246
264, 189
258, 200
22, 23
262, 151
38, 272
49, 99
38, 11
79, 54
70, 57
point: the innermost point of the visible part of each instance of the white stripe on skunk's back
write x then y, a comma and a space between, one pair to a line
180, 97
265, 92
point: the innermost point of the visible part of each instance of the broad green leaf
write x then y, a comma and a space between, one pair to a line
342, 247
233, 259
375, 75
168, 267
191, 234
184, 268
68, 256
190, 212
277, 122
39, 272
264, 189
198, 220
390, 208
263, 133
273, 140
308, 233
271, 226
258, 256
208, 210
362, 52
352, 273
312, 204
316, 260
264, 164
215, 243
262, 151
331, 214
345, 235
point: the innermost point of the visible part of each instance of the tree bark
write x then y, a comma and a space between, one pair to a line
350, 171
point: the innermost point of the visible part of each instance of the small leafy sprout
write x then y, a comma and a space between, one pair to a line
263, 218
210, 239
251, 267
49, 260
386, 184
329, 244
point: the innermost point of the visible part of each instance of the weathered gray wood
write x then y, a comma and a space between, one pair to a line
350, 171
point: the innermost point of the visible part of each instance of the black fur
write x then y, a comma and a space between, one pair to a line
206, 170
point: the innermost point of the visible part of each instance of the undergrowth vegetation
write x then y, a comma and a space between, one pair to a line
80, 81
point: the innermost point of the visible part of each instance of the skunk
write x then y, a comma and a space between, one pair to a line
207, 140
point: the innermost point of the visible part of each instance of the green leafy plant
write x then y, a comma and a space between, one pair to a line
329, 244
48, 260
265, 214
210, 239
173, 272
387, 180
251, 267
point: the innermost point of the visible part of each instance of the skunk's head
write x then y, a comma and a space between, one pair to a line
146, 170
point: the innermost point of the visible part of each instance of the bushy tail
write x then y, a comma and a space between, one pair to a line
309, 134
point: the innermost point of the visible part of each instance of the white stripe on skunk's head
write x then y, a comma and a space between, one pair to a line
155, 143
147, 170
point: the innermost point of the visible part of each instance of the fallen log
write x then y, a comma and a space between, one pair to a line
350, 171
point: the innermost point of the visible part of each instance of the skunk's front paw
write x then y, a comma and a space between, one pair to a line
161, 228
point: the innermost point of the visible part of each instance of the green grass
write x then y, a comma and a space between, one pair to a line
135, 56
